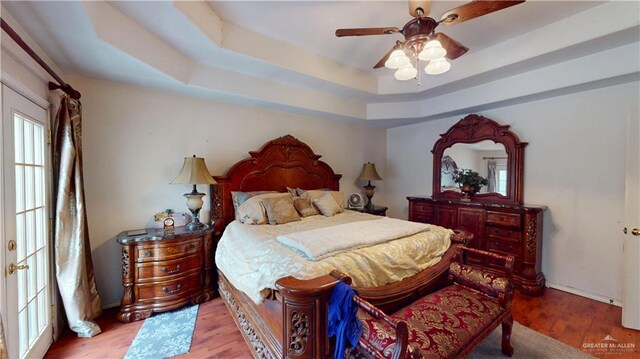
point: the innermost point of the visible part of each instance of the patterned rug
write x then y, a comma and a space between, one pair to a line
527, 344
164, 335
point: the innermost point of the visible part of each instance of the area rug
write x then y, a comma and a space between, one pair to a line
527, 344
164, 335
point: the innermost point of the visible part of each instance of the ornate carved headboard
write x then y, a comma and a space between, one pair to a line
280, 163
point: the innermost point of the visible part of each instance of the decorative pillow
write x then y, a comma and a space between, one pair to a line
239, 198
304, 208
280, 210
252, 211
328, 205
300, 191
312, 195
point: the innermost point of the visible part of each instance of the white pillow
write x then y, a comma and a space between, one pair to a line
252, 211
328, 205
313, 195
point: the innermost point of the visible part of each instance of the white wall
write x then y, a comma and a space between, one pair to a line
135, 139
574, 164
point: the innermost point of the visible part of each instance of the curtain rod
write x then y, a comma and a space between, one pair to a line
52, 86
494, 158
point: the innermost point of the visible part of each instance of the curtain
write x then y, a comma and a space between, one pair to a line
3, 343
491, 176
73, 264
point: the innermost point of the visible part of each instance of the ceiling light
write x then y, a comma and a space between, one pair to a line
397, 59
406, 72
437, 66
432, 50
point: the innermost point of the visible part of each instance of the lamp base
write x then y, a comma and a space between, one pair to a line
195, 224
194, 203
369, 191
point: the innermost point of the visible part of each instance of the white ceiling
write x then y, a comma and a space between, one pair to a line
311, 24
284, 54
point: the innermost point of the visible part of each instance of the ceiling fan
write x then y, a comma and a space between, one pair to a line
421, 42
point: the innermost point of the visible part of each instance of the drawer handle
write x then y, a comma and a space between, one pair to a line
164, 269
166, 290
147, 254
192, 246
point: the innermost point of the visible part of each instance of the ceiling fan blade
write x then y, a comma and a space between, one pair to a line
386, 56
475, 9
454, 48
366, 31
414, 5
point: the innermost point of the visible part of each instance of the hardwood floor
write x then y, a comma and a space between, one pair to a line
568, 318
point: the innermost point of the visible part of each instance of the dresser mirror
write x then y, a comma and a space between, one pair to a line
486, 157
484, 146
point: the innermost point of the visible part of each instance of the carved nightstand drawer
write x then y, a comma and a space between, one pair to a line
504, 234
165, 251
505, 247
177, 287
152, 271
504, 219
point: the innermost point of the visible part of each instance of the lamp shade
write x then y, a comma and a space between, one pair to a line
397, 59
406, 72
194, 171
437, 66
432, 50
369, 173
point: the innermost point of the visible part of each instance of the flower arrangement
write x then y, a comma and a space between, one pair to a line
469, 177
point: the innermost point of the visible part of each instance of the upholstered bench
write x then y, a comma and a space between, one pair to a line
448, 323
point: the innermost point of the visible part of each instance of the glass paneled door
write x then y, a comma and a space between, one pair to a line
26, 244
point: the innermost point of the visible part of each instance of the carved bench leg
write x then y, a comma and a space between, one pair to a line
507, 325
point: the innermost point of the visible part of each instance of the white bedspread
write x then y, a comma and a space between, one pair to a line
323, 242
252, 259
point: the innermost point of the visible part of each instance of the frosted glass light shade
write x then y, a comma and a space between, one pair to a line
437, 66
397, 59
406, 72
432, 50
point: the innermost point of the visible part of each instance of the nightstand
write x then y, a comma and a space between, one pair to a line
376, 210
164, 270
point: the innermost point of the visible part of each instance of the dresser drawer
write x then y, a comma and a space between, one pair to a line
504, 219
503, 233
152, 271
504, 247
421, 212
166, 251
174, 288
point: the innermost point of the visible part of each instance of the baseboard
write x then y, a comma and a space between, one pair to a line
110, 305
585, 294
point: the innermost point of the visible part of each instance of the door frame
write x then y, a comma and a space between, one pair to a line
22, 91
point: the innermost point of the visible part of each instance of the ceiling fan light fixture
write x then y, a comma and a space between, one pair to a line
397, 59
432, 50
437, 66
406, 72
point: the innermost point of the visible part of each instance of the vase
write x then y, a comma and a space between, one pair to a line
468, 190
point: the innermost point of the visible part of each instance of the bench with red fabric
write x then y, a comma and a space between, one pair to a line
448, 323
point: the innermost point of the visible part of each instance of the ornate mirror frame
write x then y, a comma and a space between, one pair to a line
475, 128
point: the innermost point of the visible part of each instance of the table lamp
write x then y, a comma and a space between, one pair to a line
369, 173
194, 171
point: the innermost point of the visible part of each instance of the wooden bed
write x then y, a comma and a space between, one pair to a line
292, 320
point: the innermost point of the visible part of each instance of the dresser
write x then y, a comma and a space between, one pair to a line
164, 270
499, 228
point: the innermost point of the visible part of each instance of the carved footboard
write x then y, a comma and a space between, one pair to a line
292, 322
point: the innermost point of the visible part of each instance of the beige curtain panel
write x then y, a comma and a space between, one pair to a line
73, 264
3, 342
